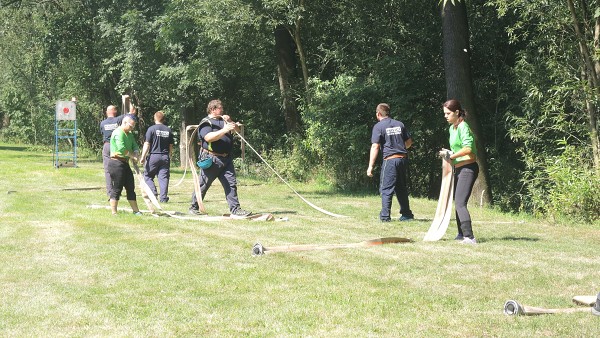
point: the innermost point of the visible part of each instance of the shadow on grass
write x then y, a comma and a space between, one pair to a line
14, 148
507, 239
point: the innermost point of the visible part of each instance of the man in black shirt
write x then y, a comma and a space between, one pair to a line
215, 133
159, 146
394, 139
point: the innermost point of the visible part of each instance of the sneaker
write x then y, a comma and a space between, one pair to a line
468, 240
196, 212
240, 213
384, 220
459, 237
137, 213
596, 308
406, 218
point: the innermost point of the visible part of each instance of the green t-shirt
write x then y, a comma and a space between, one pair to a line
461, 137
122, 142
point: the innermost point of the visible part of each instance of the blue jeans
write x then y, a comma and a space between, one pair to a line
393, 181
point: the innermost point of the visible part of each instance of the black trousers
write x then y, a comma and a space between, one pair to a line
121, 176
464, 179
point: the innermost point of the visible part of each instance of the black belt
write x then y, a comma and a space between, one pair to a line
119, 159
216, 154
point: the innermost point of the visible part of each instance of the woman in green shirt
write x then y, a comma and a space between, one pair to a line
463, 154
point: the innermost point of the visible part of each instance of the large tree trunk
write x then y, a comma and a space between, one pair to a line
286, 71
459, 83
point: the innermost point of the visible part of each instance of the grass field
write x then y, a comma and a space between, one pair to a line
69, 270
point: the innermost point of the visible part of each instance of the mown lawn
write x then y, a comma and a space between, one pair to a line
69, 270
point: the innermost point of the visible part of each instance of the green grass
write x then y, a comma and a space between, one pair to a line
68, 270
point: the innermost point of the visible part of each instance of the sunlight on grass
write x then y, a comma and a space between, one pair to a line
69, 270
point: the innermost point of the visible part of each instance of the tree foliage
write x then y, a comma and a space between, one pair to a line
531, 90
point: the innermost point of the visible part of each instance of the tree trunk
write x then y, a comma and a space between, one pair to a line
298, 42
189, 118
459, 83
591, 70
286, 70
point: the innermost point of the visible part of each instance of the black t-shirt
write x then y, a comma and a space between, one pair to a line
391, 135
222, 145
160, 138
109, 125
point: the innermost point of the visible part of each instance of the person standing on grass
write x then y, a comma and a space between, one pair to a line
215, 135
107, 126
394, 139
159, 146
122, 148
462, 155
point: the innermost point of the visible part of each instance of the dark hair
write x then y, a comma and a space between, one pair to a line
212, 105
383, 109
454, 105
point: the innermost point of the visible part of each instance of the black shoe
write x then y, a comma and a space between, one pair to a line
459, 237
240, 213
406, 218
384, 220
196, 212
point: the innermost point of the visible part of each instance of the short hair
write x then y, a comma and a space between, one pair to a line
383, 109
212, 105
159, 116
128, 120
111, 108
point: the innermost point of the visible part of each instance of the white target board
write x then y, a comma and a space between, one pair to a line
65, 110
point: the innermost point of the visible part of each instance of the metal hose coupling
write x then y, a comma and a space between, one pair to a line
258, 250
596, 308
512, 308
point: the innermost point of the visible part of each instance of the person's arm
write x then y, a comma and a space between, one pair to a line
171, 150
372, 157
408, 143
145, 151
216, 135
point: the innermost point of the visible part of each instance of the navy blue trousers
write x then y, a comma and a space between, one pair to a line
222, 169
393, 181
159, 166
105, 159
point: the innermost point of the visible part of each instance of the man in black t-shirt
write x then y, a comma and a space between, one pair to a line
107, 126
215, 133
158, 147
394, 139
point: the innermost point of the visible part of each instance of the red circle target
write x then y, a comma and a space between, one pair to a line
66, 110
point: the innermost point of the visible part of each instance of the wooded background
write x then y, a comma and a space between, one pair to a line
305, 76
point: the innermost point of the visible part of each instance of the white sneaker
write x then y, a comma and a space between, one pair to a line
468, 240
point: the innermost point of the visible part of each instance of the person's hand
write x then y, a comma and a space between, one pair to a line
370, 171
227, 118
445, 154
229, 126
142, 161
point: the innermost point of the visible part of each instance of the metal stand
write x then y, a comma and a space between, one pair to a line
65, 142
